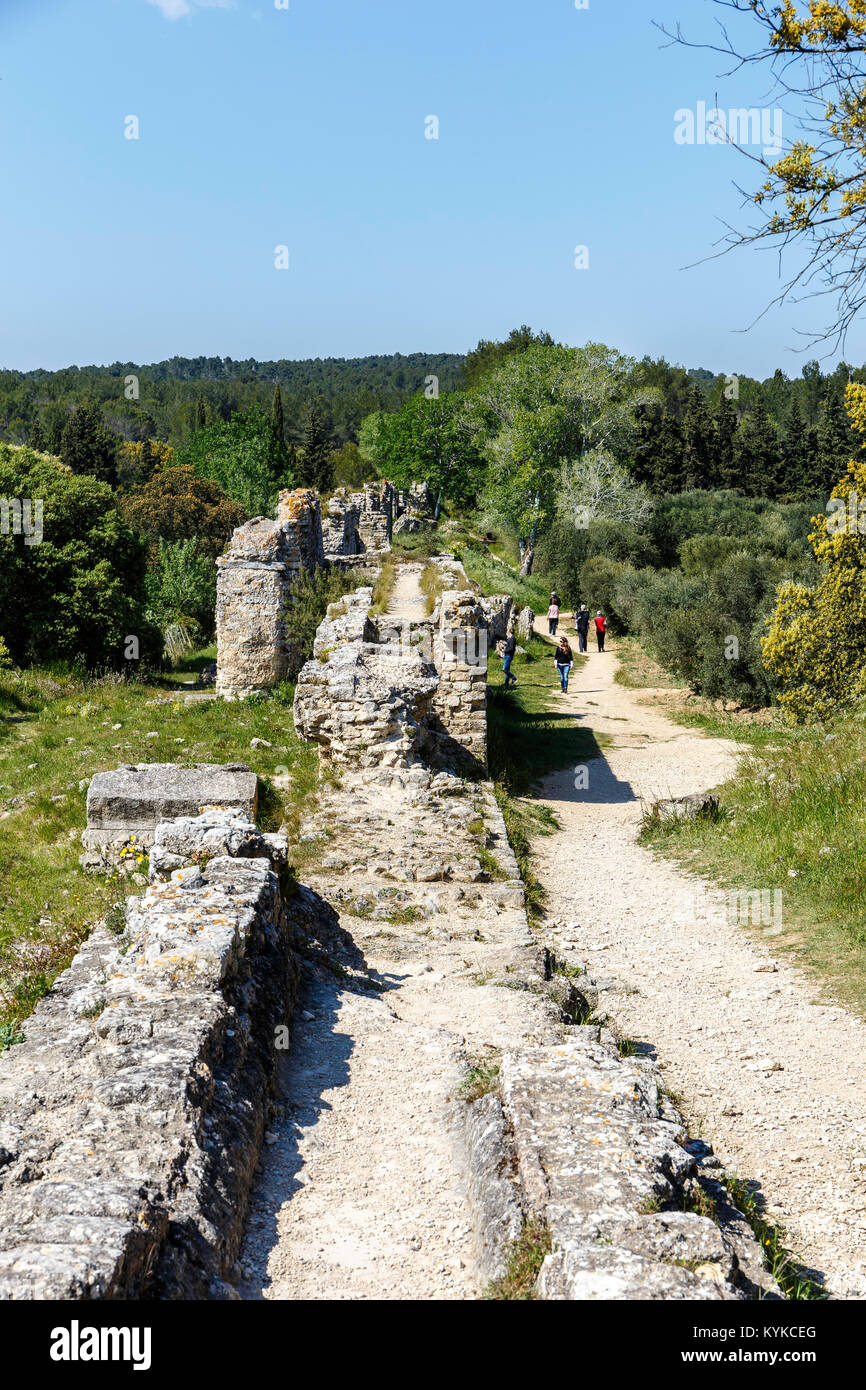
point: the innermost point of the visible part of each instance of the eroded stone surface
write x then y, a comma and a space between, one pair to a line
132, 1114
131, 800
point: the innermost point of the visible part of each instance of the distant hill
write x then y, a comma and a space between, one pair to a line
168, 392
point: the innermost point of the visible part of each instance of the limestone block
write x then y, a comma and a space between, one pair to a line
133, 799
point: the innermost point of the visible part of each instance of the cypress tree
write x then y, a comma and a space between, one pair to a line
277, 415
317, 467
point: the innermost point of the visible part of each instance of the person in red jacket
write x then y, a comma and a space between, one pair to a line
600, 630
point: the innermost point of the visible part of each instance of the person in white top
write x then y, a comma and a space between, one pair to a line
553, 614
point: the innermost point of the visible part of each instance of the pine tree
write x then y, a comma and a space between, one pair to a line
757, 456
835, 446
317, 466
37, 438
698, 443
795, 451
87, 446
724, 433
200, 419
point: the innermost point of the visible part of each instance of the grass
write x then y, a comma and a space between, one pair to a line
497, 576
56, 731
481, 1079
384, 586
792, 1279
523, 1264
637, 670
530, 731
794, 818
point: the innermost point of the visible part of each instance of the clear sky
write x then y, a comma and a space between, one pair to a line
305, 127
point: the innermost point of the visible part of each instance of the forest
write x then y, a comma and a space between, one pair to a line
680, 501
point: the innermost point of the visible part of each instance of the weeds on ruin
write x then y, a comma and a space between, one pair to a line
523, 1264
481, 1079
791, 1277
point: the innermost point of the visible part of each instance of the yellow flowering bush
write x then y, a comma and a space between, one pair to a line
816, 644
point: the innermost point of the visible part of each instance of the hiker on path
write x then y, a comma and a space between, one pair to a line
553, 614
564, 659
507, 649
581, 624
600, 629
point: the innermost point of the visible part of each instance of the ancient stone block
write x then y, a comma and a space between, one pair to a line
133, 799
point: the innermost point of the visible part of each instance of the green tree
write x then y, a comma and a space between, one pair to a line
87, 446
757, 456
429, 440
78, 593
176, 503
316, 468
242, 456
181, 588
725, 429
834, 444
699, 468
489, 353
546, 405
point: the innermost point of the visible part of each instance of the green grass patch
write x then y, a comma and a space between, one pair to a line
530, 731
481, 1079
791, 1277
523, 1264
495, 575
56, 731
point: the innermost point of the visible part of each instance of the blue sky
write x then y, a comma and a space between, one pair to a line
305, 127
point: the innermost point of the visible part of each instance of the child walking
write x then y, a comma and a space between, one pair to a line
553, 614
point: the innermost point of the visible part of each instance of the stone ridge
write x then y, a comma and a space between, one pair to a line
131, 1117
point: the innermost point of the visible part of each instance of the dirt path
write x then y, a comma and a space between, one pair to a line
407, 601
772, 1079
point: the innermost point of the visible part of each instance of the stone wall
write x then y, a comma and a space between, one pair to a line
132, 1116
460, 658
254, 581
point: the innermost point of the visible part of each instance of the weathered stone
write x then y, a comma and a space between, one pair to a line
131, 800
687, 807
132, 1115
525, 628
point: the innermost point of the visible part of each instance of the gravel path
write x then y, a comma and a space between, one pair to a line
767, 1075
407, 603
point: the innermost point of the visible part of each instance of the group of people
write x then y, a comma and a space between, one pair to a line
563, 656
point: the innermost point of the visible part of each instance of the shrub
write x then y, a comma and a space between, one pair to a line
175, 504
599, 578
182, 588
78, 594
817, 634
310, 597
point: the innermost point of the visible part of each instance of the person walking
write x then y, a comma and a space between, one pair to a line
553, 614
600, 629
564, 659
581, 624
509, 647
